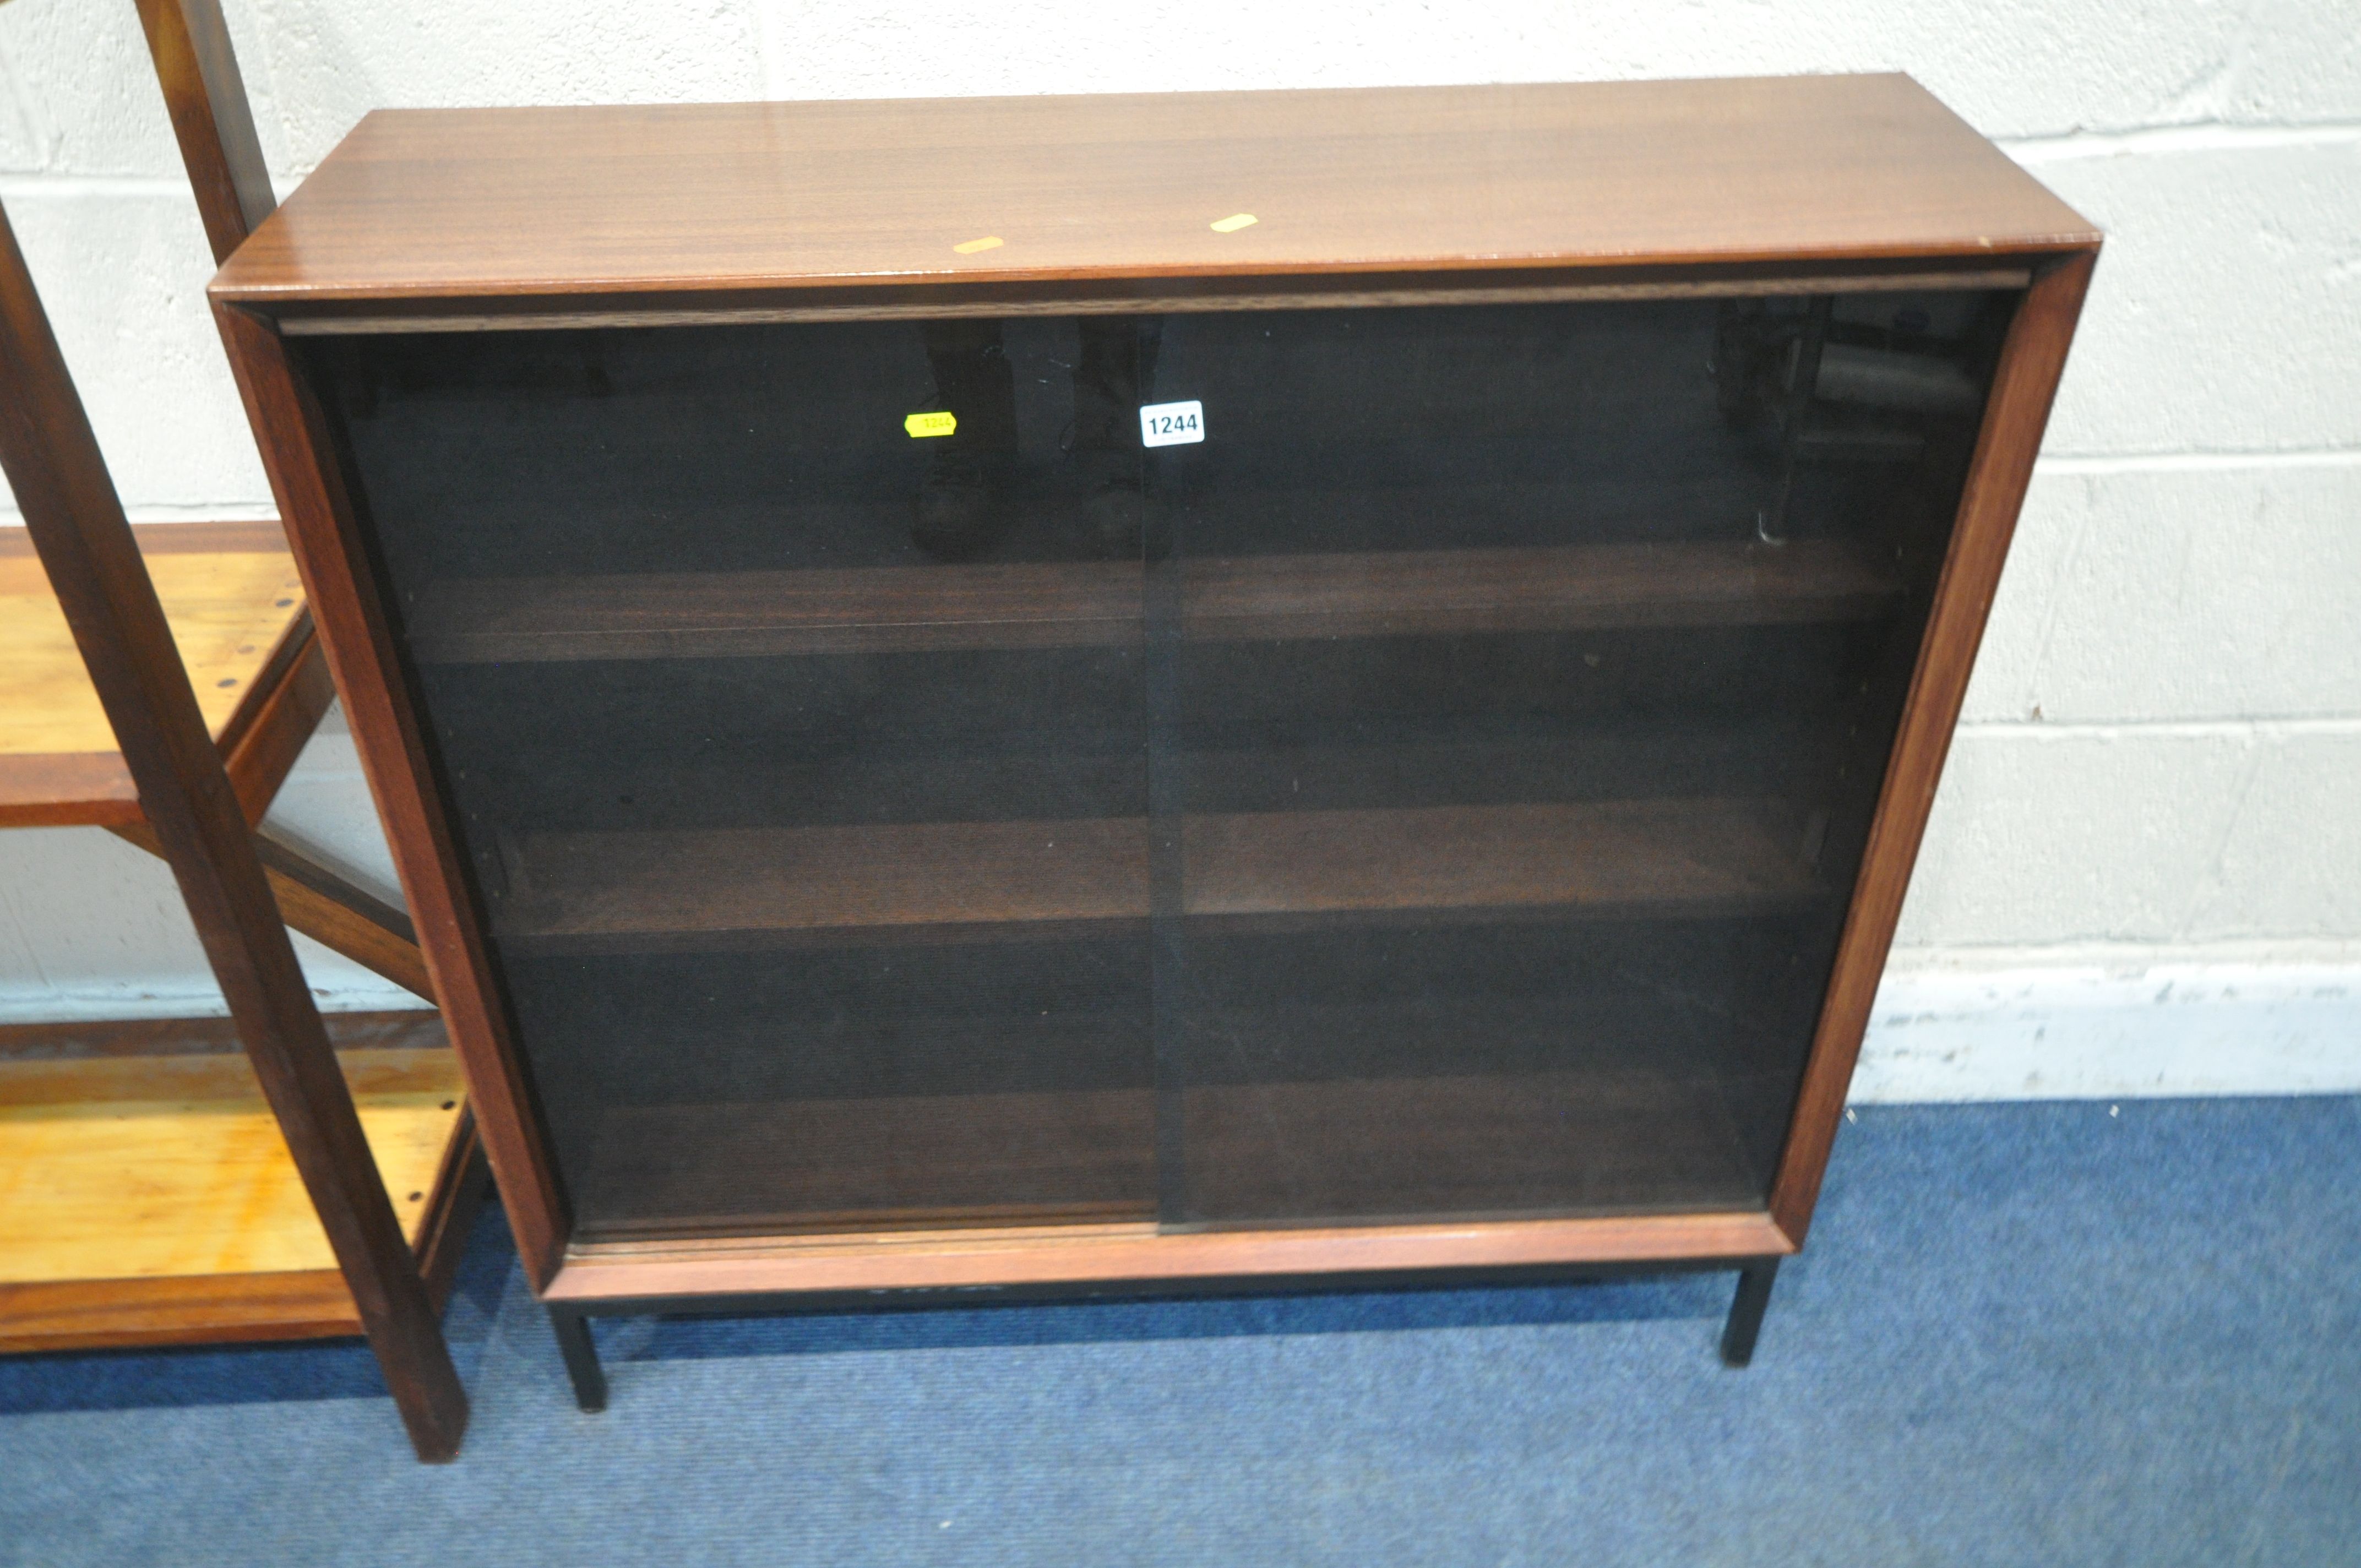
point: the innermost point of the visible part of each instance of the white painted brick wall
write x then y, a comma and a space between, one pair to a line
122, 273
2227, 308
2142, 595
2161, 762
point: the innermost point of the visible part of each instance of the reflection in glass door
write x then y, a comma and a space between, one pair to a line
1524, 696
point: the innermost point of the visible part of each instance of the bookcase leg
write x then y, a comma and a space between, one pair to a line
1746, 1311
581, 1353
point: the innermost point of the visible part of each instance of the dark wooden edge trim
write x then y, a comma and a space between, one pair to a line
1201, 1287
263, 738
1113, 1255
343, 917
414, 1028
300, 451
2024, 386
197, 1309
245, 536
67, 789
300, 315
461, 1185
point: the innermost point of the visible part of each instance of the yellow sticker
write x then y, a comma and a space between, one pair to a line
969, 246
941, 423
1234, 222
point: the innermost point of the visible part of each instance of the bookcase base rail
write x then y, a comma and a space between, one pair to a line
570, 1319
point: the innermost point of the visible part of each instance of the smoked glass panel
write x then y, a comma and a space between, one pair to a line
1428, 782
797, 752
1521, 681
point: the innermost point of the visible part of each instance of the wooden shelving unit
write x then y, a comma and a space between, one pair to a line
149, 1198
159, 1200
204, 1180
1449, 817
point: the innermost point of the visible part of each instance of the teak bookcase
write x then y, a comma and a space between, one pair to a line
879, 824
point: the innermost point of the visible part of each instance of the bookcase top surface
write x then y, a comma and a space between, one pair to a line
663, 200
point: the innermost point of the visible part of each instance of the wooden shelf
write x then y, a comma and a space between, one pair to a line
1569, 588
1483, 1146
1371, 1148
586, 893
236, 607
1099, 604
1657, 855
1077, 1157
148, 1197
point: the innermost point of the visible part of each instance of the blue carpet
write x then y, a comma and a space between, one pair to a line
2031, 1333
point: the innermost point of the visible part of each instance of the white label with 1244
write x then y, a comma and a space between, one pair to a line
1171, 424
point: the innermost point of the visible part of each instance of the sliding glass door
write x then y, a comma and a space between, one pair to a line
1272, 767
1531, 674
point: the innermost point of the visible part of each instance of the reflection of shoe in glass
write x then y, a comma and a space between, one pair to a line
965, 507
1114, 502
1117, 356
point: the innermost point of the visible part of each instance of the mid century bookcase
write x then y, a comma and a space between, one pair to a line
1067, 695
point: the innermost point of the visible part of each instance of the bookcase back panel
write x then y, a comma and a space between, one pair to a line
1279, 766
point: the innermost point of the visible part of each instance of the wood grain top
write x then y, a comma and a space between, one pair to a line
672, 201
232, 597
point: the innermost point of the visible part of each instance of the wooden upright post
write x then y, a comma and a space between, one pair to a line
198, 70
205, 96
77, 524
